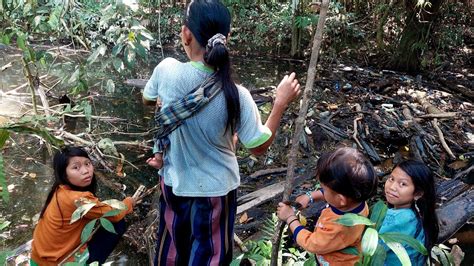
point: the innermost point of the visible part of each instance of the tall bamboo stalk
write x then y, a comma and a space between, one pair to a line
299, 124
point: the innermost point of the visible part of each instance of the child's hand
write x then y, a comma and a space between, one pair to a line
284, 211
287, 90
303, 200
156, 161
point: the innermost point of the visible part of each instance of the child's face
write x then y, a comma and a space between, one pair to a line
80, 171
399, 189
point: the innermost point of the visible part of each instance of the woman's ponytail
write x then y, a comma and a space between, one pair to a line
217, 55
209, 21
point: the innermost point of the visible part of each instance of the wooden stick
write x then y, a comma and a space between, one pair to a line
439, 115
299, 124
442, 140
241, 244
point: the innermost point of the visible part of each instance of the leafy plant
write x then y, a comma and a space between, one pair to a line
260, 251
372, 251
84, 206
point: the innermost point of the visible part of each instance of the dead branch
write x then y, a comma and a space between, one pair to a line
299, 124
441, 138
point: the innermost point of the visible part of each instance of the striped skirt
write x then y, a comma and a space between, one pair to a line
195, 230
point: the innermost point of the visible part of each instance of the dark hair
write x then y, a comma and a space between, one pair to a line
347, 172
206, 18
423, 180
60, 162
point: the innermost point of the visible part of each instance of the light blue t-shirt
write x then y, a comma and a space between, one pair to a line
404, 221
200, 160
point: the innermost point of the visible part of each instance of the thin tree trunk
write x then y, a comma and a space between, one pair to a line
299, 124
381, 24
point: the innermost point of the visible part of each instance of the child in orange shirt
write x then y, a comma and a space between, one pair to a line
54, 237
347, 180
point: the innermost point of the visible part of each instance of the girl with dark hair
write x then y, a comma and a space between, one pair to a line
347, 180
55, 237
410, 191
200, 173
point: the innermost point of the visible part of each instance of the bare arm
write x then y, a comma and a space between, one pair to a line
286, 92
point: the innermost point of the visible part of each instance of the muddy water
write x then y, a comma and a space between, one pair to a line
27, 162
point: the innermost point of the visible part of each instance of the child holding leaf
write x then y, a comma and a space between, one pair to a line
72, 209
347, 179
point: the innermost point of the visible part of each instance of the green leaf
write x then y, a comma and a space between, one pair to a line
21, 40
377, 213
129, 56
401, 253
4, 225
350, 251
146, 35
107, 225
351, 219
118, 64
117, 49
110, 86
99, 51
5, 39
112, 213
405, 240
140, 50
42, 132
4, 135
81, 211
370, 240
116, 204
87, 231
37, 21
379, 256
3, 181
75, 76
53, 21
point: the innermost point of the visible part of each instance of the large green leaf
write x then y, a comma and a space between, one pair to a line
401, 253
351, 219
370, 241
4, 134
116, 204
377, 213
42, 132
3, 181
112, 213
99, 51
406, 240
107, 225
350, 251
81, 211
87, 231
379, 256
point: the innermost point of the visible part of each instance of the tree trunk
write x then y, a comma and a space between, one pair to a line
415, 36
295, 31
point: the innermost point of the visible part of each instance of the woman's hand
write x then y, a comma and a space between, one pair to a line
156, 161
284, 211
287, 90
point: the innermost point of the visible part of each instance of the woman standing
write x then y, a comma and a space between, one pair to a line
200, 173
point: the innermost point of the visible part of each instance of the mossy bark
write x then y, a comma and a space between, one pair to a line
415, 36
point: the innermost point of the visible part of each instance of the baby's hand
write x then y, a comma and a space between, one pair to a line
284, 211
156, 161
303, 200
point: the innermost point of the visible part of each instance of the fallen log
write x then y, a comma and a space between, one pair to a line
260, 196
453, 215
